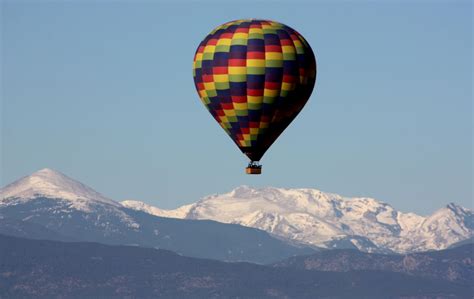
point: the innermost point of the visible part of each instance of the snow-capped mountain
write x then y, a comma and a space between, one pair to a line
444, 227
329, 220
52, 184
304, 216
50, 205
65, 194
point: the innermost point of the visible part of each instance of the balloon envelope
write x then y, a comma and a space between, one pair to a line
254, 77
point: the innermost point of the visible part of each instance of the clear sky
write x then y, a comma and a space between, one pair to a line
104, 93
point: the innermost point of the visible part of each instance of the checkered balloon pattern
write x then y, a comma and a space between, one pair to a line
254, 77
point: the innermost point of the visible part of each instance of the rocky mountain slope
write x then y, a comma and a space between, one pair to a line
455, 265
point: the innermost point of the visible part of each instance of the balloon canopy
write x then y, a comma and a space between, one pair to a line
254, 77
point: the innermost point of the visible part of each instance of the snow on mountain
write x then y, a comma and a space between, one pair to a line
329, 220
48, 204
52, 184
180, 212
446, 226
68, 194
306, 216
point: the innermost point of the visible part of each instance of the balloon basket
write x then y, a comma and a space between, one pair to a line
253, 170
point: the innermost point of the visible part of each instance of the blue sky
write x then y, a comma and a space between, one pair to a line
104, 93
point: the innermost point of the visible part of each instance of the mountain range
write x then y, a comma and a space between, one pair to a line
51, 226
50, 205
327, 220
52, 269
298, 220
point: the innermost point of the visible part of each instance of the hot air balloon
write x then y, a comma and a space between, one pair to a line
254, 77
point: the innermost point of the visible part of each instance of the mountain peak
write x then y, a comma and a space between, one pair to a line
51, 184
242, 190
456, 208
49, 176
47, 171
452, 209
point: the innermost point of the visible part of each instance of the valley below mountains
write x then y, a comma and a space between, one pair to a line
52, 269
